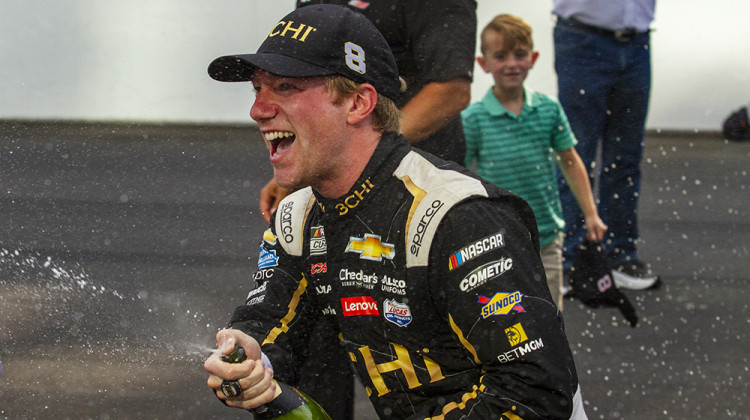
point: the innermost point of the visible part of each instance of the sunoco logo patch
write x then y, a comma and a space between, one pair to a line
501, 304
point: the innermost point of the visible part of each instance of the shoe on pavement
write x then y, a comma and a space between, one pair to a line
634, 275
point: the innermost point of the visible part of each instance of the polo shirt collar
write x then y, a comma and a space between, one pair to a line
496, 109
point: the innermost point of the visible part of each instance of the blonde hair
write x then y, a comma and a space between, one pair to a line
515, 32
386, 116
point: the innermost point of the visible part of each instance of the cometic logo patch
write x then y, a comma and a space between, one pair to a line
359, 305
370, 248
484, 273
475, 249
501, 304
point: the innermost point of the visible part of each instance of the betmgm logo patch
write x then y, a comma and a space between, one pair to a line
516, 335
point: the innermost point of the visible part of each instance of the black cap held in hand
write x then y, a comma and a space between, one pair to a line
592, 283
318, 40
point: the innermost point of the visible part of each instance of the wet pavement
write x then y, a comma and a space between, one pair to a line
123, 249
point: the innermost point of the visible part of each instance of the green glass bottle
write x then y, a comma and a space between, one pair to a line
291, 404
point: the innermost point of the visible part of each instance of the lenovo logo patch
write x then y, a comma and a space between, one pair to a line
359, 305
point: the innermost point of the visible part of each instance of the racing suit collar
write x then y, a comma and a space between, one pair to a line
391, 148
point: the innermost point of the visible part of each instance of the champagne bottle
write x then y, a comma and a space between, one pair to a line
290, 404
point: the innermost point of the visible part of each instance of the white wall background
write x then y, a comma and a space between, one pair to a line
145, 60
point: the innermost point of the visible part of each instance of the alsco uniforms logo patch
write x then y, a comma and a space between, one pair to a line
501, 304
397, 313
359, 305
371, 248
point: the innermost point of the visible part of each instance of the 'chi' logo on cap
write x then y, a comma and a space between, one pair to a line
371, 248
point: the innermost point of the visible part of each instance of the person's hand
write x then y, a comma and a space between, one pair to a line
254, 378
595, 228
270, 197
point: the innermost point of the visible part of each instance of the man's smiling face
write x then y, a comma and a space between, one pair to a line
302, 128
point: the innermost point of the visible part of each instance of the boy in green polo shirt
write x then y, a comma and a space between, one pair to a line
515, 135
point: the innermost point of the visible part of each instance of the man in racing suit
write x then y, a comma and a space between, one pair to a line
431, 276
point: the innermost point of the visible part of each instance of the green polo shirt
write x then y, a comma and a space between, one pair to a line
518, 152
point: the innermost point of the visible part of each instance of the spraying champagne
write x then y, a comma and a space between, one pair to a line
291, 404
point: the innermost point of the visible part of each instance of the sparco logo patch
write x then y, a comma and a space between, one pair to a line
486, 272
370, 248
286, 222
359, 305
397, 313
424, 221
475, 249
501, 304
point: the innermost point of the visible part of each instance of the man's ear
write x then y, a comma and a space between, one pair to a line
362, 103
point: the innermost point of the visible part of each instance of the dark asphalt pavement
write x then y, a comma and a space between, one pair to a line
123, 249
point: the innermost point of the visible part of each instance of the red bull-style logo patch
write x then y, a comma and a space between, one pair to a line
371, 248
501, 304
359, 305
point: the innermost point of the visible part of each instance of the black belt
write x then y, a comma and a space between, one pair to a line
622, 35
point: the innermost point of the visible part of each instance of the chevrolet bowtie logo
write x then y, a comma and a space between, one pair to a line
371, 248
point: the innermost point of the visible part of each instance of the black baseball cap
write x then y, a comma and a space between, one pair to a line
318, 40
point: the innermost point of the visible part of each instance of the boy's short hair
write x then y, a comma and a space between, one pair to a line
515, 32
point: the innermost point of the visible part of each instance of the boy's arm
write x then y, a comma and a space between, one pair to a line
578, 179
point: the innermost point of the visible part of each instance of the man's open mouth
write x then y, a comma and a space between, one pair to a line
279, 140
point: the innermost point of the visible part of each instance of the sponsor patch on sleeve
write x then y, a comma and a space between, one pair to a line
501, 304
267, 258
475, 249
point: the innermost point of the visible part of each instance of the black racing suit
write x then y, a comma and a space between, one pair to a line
434, 281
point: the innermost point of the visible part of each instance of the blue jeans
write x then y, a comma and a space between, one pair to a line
604, 86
